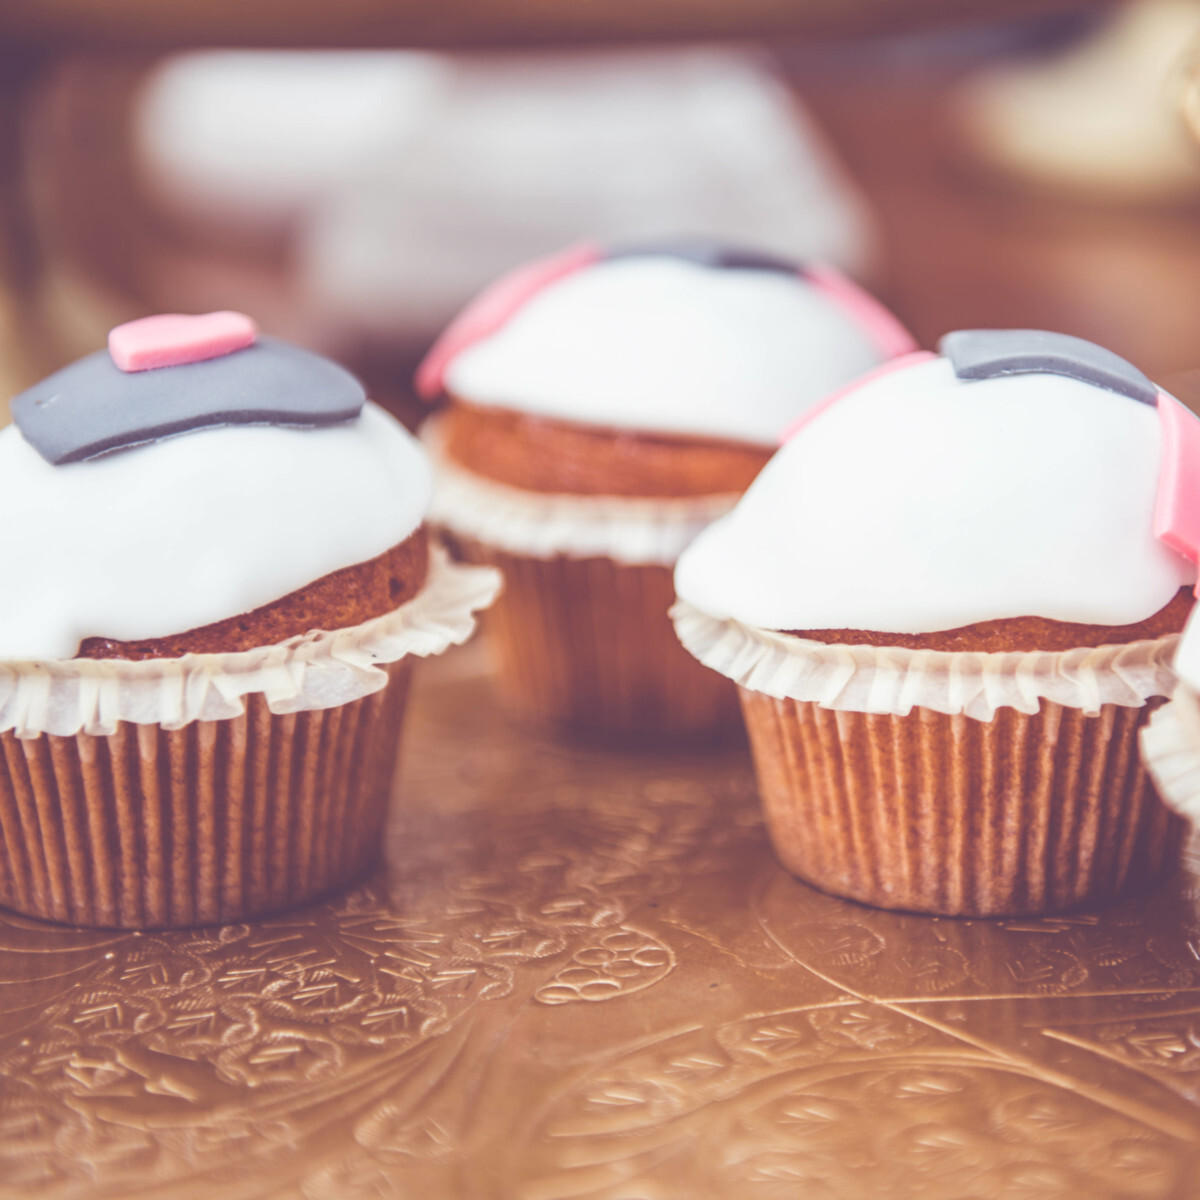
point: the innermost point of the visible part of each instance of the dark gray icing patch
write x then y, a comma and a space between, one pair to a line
91, 407
706, 253
988, 353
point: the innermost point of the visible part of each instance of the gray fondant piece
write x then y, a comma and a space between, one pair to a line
987, 353
92, 407
706, 253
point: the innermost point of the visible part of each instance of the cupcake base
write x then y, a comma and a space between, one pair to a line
219, 821
1017, 815
585, 645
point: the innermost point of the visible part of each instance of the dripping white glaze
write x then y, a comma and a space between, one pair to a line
663, 345
920, 502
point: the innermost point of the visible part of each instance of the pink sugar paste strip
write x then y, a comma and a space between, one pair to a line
887, 368
493, 307
1177, 505
172, 339
889, 336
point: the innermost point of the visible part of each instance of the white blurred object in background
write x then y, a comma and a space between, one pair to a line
252, 139
411, 181
517, 157
1101, 120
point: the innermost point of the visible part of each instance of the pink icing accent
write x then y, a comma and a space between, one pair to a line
887, 368
889, 336
1177, 507
171, 339
494, 306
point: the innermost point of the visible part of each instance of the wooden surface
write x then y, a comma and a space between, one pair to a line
376, 23
583, 975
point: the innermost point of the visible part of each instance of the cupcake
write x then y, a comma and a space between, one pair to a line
950, 602
1171, 740
217, 574
604, 407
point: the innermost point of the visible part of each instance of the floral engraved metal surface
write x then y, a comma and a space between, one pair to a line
622, 961
583, 975
846, 1100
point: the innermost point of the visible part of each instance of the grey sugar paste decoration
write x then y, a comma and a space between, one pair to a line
706, 253
987, 353
92, 407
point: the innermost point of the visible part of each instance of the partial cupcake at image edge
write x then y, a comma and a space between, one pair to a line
604, 406
950, 602
1170, 742
217, 577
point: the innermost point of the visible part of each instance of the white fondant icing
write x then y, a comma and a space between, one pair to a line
920, 502
663, 345
178, 534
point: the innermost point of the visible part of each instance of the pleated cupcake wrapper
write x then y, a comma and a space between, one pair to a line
967, 784
319, 670
1171, 750
586, 645
942, 813
218, 821
259, 782
629, 530
889, 679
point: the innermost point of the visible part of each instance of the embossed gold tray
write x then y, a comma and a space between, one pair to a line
582, 975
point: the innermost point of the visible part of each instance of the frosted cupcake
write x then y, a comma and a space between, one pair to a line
1171, 741
604, 407
216, 577
951, 601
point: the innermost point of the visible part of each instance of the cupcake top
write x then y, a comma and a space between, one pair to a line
684, 338
191, 472
1016, 473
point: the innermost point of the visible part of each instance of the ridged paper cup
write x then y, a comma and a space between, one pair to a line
942, 813
586, 645
955, 783
580, 637
263, 783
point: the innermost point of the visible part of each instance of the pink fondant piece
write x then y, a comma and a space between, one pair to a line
885, 330
494, 306
887, 368
1177, 506
172, 339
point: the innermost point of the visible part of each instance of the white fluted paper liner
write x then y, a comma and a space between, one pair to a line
318, 670
1171, 752
627, 529
875, 679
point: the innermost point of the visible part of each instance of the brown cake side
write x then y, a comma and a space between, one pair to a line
1019, 633
544, 455
335, 601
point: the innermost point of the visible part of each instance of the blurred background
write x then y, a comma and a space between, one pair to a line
1016, 164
